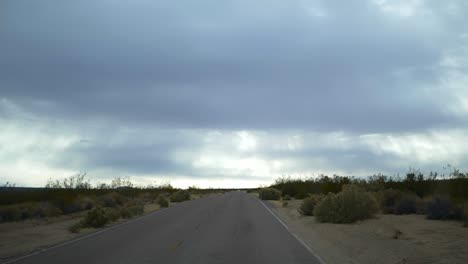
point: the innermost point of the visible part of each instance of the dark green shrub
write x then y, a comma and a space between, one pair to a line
396, 202
75, 228
131, 211
308, 204
67, 204
285, 204
96, 217
348, 206
269, 194
389, 199
286, 198
112, 199
86, 203
408, 204
180, 196
45, 209
10, 213
113, 214
24, 211
442, 208
162, 201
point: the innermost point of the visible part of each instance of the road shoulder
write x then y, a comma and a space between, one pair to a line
374, 241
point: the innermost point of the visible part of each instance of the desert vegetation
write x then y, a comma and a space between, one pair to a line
180, 196
99, 204
308, 204
269, 194
342, 199
348, 206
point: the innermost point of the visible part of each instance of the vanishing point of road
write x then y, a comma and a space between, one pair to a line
230, 228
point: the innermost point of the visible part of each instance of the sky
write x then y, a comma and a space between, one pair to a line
231, 93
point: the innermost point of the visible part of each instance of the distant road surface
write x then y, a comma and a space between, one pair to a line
230, 228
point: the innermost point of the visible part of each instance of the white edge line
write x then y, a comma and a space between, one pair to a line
82, 237
293, 234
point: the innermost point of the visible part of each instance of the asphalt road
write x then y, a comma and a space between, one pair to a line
228, 228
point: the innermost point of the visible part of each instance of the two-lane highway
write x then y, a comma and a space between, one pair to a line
230, 228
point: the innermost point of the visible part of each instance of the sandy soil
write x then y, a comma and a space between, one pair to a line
23, 237
19, 238
385, 239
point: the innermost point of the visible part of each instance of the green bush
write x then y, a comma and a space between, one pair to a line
68, 204
269, 194
44, 209
408, 204
398, 202
86, 203
162, 201
180, 196
10, 213
465, 214
112, 199
17, 212
308, 204
348, 206
75, 228
113, 214
286, 198
442, 208
389, 199
285, 204
96, 217
131, 211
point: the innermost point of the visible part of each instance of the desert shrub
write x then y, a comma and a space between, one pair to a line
162, 201
16, 212
269, 194
46, 209
96, 217
397, 202
442, 208
131, 211
67, 204
421, 206
348, 206
389, 199
180, 196
407, 204
308, 204
75, 228
86, 203
113, 214
112, 199
10, 213
149, 196
465, 214
286, 198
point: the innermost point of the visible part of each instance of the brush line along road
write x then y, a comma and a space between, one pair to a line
230, 228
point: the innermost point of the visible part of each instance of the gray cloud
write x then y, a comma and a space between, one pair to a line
235, 65
149, 84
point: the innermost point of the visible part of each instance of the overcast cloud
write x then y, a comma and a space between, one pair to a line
231, 93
